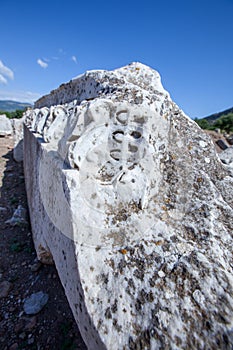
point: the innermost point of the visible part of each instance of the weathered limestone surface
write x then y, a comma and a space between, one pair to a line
5, 126
128, 197
18, 138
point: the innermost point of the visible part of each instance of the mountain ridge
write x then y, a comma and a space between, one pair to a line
11, 106
213, 117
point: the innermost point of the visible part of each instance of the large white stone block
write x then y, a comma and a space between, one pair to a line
128, 197
18, 138
5, 126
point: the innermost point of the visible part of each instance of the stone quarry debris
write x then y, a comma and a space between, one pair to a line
35, 303
227, 156
230, 139
222, 144
129, 198
5, 126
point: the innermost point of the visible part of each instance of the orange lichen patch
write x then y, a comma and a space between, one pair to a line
123, 251
173, 156
159, 243
167, 200
199, 179
164, 207
137, 68
45, 256
166, 115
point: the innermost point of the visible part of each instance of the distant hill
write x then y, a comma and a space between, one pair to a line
11, 106
213, 117
222, 120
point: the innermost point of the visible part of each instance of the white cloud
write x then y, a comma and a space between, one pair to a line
2, 79
42, 63
20, 96
74, 59
5, 73
62, 52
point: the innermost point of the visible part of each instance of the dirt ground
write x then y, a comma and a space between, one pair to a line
21, 275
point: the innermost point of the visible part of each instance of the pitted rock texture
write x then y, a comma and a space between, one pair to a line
130, 199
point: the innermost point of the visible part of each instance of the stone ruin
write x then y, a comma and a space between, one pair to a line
128, 197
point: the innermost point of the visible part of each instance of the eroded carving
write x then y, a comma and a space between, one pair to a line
115, 165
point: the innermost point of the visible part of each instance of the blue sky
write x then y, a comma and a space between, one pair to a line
190, 42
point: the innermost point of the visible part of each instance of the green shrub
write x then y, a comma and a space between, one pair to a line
203, 123
15, 114
225, 123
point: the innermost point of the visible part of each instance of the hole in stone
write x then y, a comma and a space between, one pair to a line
118, 135
132, 148
122, 117
133, 181
115, 154
131, 167
140, 120
136, 134
120, 178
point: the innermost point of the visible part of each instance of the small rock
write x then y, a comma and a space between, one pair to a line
230, 139
35, 267
19, 217
161, 274
3, 209
5, 287
21, 313
22, 335
222, 144
35, 303
31, 341
14, 346
31, 322
19, 326
227, 156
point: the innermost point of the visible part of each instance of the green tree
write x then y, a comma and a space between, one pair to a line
203, 123
15, 114
6, 113
225, 123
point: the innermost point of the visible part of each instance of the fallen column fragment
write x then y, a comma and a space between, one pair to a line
129, 199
